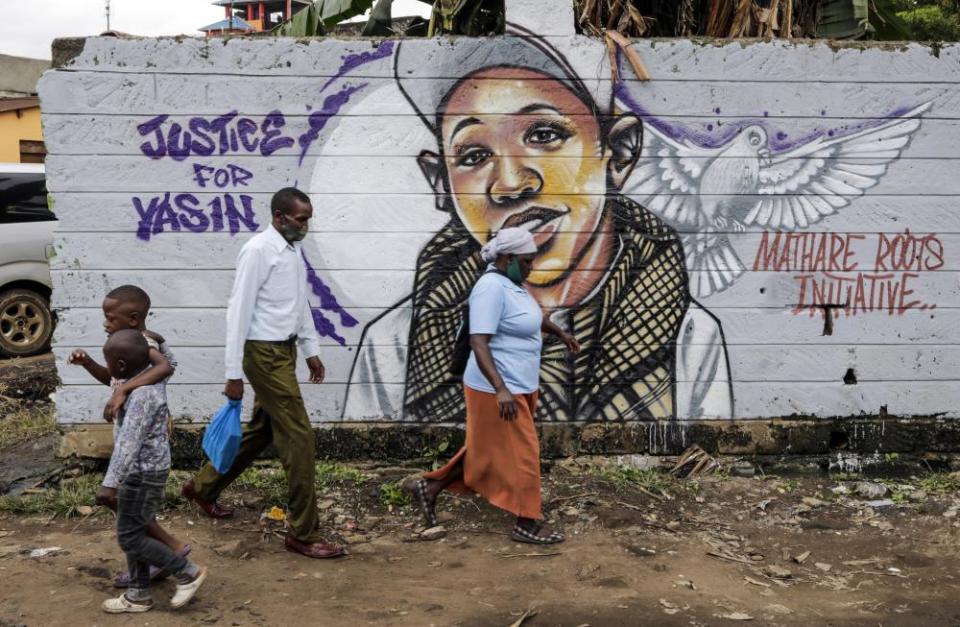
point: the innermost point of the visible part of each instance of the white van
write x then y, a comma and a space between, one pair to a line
26, 245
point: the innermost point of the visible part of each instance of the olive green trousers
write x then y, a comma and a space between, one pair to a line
279, 418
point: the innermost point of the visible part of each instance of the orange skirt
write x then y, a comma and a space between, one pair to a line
501, 458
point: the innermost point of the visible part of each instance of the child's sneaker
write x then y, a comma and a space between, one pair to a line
186, 591
123, 605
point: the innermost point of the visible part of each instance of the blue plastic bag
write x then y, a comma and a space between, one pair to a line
221, 441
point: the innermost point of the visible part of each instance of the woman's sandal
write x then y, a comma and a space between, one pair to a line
420, 492
519, 534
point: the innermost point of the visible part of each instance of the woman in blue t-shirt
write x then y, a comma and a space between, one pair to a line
501, 458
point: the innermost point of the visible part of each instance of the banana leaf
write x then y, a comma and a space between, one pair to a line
380, 21
321, 15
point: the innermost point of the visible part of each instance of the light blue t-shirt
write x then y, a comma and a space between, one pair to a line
500, 308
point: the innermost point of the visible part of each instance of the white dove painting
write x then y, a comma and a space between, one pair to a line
709, 190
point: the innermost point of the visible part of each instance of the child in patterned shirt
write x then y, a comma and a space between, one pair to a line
139, 465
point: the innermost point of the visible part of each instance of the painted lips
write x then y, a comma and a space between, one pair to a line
540, 222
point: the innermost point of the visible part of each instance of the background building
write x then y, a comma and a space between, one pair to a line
252, 16
21, 137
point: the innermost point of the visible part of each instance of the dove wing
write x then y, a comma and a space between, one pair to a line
803, 185
666, 179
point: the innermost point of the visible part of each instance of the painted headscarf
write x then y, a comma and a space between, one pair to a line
509, 241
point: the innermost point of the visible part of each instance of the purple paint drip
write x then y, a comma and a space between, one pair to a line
318, 119
353, 61
328, 302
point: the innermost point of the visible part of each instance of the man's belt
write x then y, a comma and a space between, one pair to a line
290, 341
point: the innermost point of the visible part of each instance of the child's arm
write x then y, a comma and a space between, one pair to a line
80, 357
160, 369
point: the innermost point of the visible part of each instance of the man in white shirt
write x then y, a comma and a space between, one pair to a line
267, 317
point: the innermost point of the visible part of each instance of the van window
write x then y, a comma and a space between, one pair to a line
23, 198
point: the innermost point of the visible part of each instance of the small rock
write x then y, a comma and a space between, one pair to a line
742, 469
880, 503
776, 608
870, 490
84, 510
736, 616
800, 559
823, 566
777, 572
326, 504
433, 533
570, 512
50, 550
232, 549
813, 502
640, 551
673, 525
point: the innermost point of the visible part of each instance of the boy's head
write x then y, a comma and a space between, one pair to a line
126, 307
126, 352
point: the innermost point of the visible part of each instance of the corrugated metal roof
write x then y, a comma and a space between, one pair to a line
226, 24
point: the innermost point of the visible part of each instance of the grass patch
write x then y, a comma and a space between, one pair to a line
24, 424
392, 495
270, 481
939, 483
62, 501
74, 492
328, 474
649, 479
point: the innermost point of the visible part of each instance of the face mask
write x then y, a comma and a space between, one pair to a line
290, 232
513, 271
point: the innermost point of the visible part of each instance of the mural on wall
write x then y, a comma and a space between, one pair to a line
522, 140
642, 221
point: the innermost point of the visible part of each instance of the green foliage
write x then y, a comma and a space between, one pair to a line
19, 424
62, 501
328, 474
392, 495
649, 479
435, 454
380, 21
315, 19
932, 22
269, 481
940, 483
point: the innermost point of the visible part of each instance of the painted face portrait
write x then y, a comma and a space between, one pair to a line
522, 150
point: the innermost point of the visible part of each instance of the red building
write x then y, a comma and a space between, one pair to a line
252, 16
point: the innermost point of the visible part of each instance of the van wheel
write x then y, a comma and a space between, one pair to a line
25, 323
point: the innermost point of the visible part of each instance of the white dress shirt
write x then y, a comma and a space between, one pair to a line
269, 299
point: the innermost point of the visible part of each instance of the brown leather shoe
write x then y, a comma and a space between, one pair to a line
213, 510
317, 550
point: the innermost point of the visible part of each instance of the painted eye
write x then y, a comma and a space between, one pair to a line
473, 158
547, 134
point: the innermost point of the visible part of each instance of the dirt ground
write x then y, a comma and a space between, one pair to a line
711, 551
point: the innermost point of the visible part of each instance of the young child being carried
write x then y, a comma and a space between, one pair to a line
139, 465
127, 307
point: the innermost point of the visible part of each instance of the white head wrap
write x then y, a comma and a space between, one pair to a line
509, 241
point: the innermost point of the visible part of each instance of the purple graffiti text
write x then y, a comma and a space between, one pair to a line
183, 212
203, 137
231, 175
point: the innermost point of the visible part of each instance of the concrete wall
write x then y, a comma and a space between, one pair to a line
762, 230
